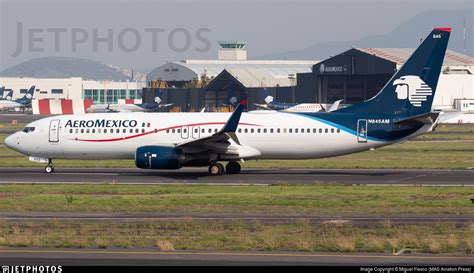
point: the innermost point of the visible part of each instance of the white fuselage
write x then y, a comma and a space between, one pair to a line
275, 135
8, 104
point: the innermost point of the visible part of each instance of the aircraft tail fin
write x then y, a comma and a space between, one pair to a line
9, 95
411, 90
28, 97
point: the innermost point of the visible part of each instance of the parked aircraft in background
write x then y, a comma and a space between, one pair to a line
8, 96
271, 104
22, 103
127, 108
400, 111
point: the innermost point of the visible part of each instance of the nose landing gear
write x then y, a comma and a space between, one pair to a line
49, 168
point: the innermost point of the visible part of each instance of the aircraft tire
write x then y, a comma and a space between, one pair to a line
216, 169
49, 169
232, 167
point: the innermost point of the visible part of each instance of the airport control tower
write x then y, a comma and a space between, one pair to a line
232, 50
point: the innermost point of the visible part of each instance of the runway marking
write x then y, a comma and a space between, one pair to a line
468, 257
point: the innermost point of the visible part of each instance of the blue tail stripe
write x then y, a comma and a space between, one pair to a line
343, 128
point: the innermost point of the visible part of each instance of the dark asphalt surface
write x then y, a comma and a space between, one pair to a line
143, 257
353, 220
248, 176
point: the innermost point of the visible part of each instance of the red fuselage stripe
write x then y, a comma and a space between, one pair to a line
159, 130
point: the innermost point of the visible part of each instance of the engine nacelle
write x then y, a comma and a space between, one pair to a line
158, 157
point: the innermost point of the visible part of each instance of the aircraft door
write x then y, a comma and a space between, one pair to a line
362, 130
54, 130
184, 132
196, 132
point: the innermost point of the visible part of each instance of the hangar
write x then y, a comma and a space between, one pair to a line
359, 73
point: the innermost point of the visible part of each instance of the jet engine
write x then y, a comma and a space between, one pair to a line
159, 157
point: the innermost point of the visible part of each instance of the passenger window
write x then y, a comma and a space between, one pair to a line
70, 131
258, 130
215, 130
172, 130
93, 131
246, 130
185, 130
179, 130
284, 130
326, 130
338, 130
156, 131
143, 130
290, 130
202, 131
99, 130
131, 131
82, 131
77, 130
137, 130
105, 131
320, 130
88, 131
314, 130
271, 130
308, 130
296, 130
332, 130
210, 130
124, 131
240, 130
278, 130
264, 130
251, 130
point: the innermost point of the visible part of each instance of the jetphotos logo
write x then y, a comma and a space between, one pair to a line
31, 269
412, 88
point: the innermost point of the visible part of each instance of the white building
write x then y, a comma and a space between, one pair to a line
232, 56
74, 88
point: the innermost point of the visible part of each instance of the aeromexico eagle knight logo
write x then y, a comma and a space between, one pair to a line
413, 88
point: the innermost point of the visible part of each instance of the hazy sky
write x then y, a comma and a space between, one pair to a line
190, 26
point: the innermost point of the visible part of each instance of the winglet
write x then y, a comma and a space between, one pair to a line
233, 121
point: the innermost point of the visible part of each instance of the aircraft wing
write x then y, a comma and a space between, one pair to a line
264, 106
224, 142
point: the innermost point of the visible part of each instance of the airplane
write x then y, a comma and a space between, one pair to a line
24, 102
8, 96
400, 111
271, 104
127, 108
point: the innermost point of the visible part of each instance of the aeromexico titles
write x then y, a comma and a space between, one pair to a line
400, 111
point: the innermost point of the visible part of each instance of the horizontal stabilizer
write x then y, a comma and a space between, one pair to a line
428, 118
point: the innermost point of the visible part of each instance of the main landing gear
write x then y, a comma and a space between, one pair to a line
49, 168
216, 169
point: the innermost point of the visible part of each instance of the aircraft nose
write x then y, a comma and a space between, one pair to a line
10, 141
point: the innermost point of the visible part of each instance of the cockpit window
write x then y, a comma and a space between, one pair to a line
29, 129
